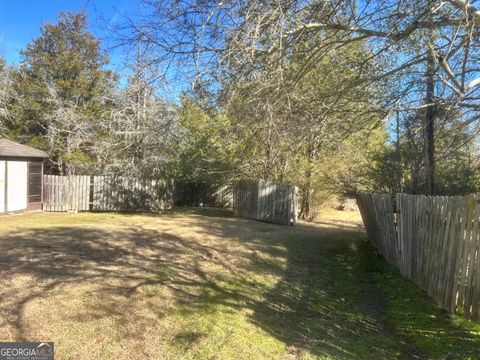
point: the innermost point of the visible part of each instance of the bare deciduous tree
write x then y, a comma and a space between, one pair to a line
69, 131
7, 93
428, 49
142, 131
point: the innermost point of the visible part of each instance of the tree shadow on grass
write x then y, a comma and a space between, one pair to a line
344, 302
328, 294
337, 298
116, 266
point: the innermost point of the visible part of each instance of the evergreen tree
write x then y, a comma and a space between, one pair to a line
64, 89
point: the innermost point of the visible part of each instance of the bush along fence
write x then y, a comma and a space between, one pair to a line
432, 240
194, 194
265, 201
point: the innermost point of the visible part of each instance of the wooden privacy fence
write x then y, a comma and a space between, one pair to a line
265, 201
432, 240
106, 193
66, 193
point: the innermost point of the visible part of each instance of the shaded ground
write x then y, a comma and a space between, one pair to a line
204, 285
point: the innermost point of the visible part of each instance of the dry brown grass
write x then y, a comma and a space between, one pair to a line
330, 216
108, 285
204, 285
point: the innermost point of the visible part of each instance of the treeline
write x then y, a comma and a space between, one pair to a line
334, 97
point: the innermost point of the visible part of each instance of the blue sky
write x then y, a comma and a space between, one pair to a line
20, 21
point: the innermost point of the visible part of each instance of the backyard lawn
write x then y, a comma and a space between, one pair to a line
200, 284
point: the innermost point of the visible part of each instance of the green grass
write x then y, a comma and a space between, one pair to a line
416, 317
200, 284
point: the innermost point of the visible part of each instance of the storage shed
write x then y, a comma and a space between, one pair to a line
21, 177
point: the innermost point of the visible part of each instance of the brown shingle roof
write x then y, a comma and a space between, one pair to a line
13, 149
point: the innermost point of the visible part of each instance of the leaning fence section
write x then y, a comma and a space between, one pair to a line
265, 201
106, 193
432, 240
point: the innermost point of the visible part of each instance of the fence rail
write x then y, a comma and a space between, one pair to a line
265, 201
432, 240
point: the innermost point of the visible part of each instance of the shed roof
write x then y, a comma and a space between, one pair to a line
12, 149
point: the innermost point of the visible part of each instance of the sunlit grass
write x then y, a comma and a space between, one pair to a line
200, 284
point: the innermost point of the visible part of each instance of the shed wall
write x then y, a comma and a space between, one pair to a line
2, 186
16, 186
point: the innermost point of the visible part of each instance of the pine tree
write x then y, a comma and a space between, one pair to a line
64, 87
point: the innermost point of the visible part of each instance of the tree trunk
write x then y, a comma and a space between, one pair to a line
307, 189
428, 129
398, 156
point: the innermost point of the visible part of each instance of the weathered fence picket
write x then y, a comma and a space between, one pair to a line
106, 193
112, 193
265, 201
432, 240
66, 193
